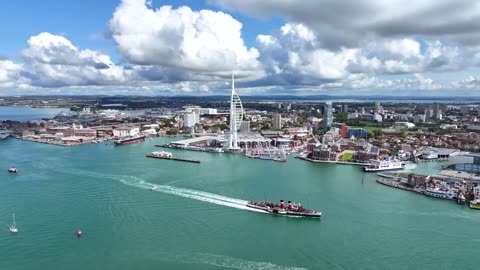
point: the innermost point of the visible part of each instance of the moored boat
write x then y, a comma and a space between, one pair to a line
294, 210
475, 204
129, 140
4, 133
440, 193
461, 199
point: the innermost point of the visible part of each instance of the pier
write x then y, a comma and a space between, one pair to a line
332, 161
191, 148
173, 158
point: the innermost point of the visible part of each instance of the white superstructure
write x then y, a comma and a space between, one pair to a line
4, 134
440, 193
384, 165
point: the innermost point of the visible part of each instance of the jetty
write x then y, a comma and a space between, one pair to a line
332, 161
151, 155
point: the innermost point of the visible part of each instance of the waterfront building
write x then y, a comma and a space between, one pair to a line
85, 132
465, 162
277, 121
327, 116
126, 131
324, 154
236, 117
244, 126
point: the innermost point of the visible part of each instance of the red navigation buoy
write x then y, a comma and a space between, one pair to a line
79, 233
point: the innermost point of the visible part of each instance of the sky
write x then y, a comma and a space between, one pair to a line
274, 47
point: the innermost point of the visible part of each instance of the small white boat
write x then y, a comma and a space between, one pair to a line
12, 169
13, 227
154, 188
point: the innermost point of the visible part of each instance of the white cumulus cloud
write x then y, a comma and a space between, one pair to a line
53, 61
203, 41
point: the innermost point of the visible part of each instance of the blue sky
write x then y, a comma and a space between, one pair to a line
84, 22
316, 47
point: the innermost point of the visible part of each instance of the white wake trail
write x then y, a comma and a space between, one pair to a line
191, 194
182, 192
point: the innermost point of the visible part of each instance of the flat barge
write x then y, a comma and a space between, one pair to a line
168, 155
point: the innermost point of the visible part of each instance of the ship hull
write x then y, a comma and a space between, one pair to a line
382, 170
129, 141
280, 212
474, 206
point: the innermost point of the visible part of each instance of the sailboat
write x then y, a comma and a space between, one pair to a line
13, 227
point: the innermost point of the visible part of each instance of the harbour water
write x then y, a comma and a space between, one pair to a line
194, 219
24, 114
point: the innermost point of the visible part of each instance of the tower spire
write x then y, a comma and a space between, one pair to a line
236, 116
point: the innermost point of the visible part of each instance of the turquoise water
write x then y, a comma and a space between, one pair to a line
105, 191
24, 114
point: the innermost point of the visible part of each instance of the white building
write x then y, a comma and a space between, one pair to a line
126, 131
403, 125
448, 126
190, 119
419, 118
150, 126
377, 117
244, 126
277, 121
200, 111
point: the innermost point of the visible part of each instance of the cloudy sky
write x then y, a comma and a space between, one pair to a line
297, 47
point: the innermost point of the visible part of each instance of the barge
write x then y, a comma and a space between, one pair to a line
168, 155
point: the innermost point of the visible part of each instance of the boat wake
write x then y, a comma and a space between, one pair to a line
135, 181
229, 262
410, 166
190, 194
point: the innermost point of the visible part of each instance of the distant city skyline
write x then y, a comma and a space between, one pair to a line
275, 47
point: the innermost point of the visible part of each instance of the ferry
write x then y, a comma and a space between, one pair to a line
386, 164
440, 193
293, 210
129, 140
